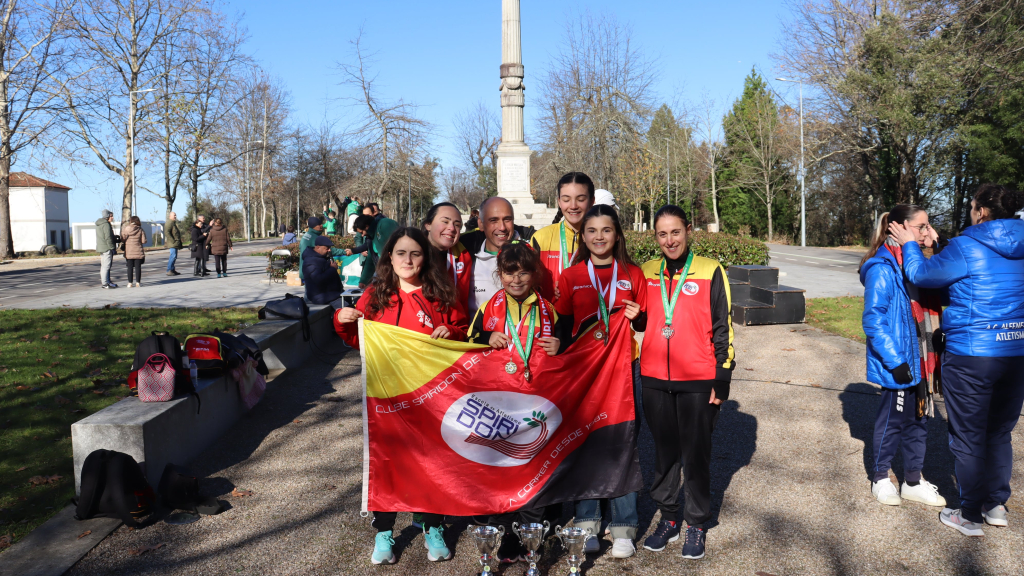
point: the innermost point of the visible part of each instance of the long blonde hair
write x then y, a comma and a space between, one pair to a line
900, 213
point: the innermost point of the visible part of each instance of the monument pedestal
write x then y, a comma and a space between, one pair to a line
514, 186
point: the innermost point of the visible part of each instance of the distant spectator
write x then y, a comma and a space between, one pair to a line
602, 196
316, 228
173, 243
351, 213
474, 220
198, 247
373, 209
218, 241
289, 236
105, 246
330, 223
320, 270
132, 241
377, 230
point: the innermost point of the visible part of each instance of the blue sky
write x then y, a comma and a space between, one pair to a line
445, 57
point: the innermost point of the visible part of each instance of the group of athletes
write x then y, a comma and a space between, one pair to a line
535, 293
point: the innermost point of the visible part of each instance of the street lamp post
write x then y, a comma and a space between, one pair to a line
131, 138
801, 173
248, 201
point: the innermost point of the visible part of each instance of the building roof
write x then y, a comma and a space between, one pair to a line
23, 180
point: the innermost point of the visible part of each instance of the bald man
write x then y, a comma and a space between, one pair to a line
497, 227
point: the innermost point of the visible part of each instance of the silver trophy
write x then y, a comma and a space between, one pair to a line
532, 536
487, 539
573, 540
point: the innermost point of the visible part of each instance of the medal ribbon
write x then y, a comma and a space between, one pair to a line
525, 355
562, 260
602, 308
669, 307
450, 260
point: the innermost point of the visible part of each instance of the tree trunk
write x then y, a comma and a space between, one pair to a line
769, 219
263, 165
126, 201
6, 235
714, 199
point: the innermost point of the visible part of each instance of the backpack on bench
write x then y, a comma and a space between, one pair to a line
113, 486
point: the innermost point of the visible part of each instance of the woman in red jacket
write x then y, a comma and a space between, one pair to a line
686, 364
603, 280
443, 225
410, 291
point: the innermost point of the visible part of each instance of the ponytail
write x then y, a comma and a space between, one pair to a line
900, 214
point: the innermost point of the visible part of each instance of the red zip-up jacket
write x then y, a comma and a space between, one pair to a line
699, 356
459, 266
407, 310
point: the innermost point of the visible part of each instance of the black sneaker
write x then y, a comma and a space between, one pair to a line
693, 547
511, 550
666, 532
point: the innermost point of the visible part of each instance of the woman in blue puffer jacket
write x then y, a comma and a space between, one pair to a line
897, 322
983, 365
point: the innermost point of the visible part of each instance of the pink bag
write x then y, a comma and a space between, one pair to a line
156, 379
251, 383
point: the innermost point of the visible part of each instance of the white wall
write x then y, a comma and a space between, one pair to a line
28, 219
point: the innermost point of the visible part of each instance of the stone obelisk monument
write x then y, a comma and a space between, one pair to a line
513, 154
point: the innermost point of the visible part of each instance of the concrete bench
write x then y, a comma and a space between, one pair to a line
155, 433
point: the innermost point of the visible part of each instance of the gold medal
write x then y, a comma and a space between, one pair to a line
511, 367
598, 334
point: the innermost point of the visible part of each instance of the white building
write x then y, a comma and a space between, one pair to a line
39, 213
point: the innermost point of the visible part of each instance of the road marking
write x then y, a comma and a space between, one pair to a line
6, 297
47, 290
813, 257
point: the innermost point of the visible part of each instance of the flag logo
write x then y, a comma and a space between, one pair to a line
500, 428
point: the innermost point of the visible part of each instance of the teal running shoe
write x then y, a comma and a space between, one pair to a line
382, 553
436, 548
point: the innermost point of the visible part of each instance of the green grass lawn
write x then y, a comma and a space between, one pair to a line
840, 316
57, 367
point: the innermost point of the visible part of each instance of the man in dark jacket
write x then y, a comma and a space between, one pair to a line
316, 228
323, 283
105, 245
172, 239
377, 230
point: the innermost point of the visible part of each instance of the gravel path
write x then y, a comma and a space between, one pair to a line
789, 482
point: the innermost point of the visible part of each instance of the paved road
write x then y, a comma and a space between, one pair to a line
823, 272
77, 283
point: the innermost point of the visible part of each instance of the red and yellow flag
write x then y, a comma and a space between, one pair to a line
446, 429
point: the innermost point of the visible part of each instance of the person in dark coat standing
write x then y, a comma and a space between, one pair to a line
173, 242
198, 247
323, 283
218, 243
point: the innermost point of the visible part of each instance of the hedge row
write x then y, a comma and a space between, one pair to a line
728, 249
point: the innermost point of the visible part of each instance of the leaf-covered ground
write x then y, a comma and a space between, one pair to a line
840, 316
57, 367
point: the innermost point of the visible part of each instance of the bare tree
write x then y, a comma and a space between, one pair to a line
711, 148
477, 135
119, 43
196, 97
31, 60
461, 189
387, 130
759, 150
597, 98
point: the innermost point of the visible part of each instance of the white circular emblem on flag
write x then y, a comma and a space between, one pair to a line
460, 266
624, 285
500, 428
690, 288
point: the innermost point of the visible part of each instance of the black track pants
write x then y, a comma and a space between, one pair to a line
681, 424
384, 521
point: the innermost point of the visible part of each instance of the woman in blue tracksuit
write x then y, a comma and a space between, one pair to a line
983, 365
894, 351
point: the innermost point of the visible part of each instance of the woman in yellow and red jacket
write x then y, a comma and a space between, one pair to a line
686, 363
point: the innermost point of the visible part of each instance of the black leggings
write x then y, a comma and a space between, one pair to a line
384, 521
134, 270
200, 267
221, 261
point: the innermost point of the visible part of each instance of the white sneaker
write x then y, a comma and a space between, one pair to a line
623, 548
885, 492
926, 493
130, 285
138, 284
995, 516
